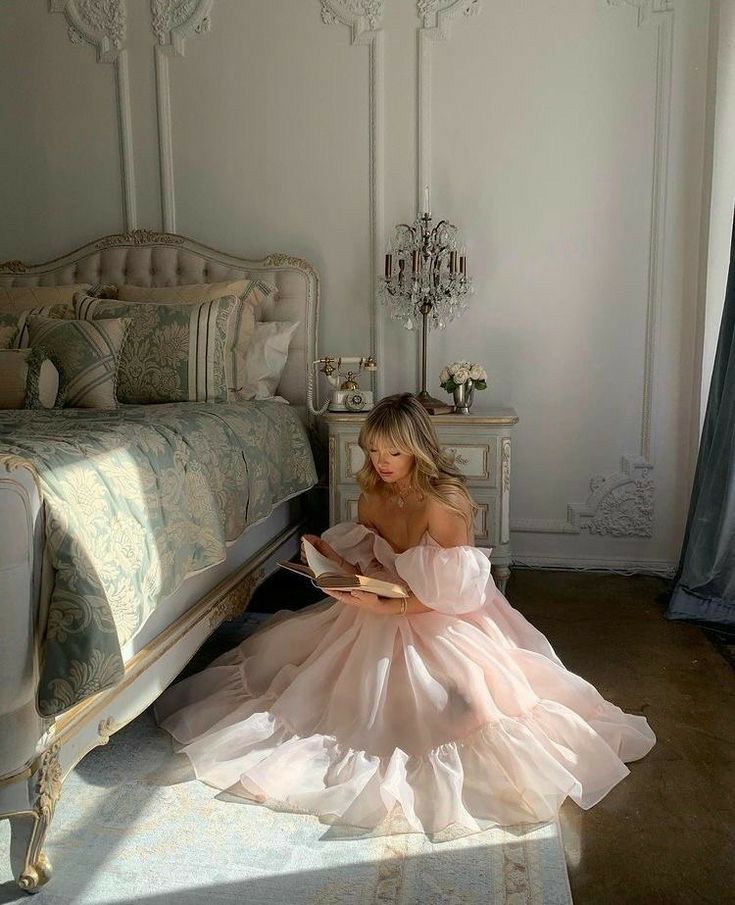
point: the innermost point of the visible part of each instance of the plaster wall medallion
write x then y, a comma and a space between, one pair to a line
102, 23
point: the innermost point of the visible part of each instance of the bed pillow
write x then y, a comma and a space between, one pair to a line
265, 359
9, 325
14, 323
28, 379
88, 357
173, 353
20, 298
254, 291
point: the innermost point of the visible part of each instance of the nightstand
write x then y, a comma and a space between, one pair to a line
480, 445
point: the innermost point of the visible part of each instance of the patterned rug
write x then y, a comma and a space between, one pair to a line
132, 827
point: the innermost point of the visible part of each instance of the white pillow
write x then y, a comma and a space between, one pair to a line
265, 359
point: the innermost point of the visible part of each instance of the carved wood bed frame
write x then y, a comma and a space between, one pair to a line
36, 753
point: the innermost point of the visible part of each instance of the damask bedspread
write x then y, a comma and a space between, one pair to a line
135, 500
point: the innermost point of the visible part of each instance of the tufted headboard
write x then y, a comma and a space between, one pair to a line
146, 258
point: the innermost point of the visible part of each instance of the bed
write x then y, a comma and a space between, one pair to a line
63, 694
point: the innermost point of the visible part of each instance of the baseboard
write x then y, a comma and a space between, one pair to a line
661, 567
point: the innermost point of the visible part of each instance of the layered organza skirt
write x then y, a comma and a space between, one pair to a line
440, 722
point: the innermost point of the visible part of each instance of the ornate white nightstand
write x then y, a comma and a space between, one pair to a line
480, 444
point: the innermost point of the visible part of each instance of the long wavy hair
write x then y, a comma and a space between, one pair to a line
402, 423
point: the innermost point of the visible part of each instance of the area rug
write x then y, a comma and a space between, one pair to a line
126, 831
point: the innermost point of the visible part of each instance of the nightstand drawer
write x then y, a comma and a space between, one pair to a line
487, 517
476, 459
348, 456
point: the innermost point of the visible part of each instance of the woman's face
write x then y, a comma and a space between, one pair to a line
391, 464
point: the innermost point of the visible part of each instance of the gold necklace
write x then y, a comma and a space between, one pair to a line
401, 496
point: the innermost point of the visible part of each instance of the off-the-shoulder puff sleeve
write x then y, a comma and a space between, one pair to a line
450, 580
353, 541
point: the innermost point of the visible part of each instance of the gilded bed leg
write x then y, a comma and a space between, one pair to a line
29, 864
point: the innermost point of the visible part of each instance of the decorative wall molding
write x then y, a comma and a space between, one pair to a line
645, 8
661, 567
621, 504
364, 19
173, 21
103, 25
436, 17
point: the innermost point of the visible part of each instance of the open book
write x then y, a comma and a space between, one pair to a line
327, 575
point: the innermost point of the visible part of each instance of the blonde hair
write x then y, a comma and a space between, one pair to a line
403, 424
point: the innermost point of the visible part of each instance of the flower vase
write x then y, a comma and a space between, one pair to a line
463, 394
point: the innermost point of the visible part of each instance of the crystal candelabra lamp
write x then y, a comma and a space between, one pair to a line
426, 278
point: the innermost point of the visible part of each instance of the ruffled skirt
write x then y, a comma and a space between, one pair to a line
424, 723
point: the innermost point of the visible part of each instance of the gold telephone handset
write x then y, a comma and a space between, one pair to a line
346, 394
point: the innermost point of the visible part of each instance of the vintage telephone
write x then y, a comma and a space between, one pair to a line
346, 395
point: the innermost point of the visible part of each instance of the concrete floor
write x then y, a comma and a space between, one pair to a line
666, 834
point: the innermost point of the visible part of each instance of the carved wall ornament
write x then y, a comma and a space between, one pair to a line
360, 15
100, 23
433, 11
620, 504
175, 20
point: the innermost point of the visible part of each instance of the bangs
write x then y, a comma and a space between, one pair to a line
384, 434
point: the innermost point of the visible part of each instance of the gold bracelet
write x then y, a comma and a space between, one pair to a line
404, 606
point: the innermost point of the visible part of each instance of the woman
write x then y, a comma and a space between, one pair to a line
445, 713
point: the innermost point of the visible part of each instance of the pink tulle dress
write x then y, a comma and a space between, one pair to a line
443, 722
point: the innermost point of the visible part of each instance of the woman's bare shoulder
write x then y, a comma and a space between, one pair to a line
366, 506
447, 526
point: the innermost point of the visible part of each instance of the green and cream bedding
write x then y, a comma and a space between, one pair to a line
137, 499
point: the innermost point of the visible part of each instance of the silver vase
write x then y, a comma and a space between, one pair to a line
463, 394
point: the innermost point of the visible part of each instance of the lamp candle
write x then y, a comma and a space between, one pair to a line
427, 204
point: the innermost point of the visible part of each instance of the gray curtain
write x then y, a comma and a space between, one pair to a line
704, 587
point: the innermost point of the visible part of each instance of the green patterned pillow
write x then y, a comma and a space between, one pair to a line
14, 322
88, 356
9, 323
173, 353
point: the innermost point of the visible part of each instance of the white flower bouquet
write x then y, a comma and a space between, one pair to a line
459, 372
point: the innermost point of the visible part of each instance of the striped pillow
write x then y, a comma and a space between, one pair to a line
87, 355
173, 353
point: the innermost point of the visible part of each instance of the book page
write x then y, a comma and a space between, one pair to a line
320, 564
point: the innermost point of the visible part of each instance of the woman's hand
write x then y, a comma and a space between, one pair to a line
364, 600
322, 546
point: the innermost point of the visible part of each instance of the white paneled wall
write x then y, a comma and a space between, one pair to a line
566, 137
